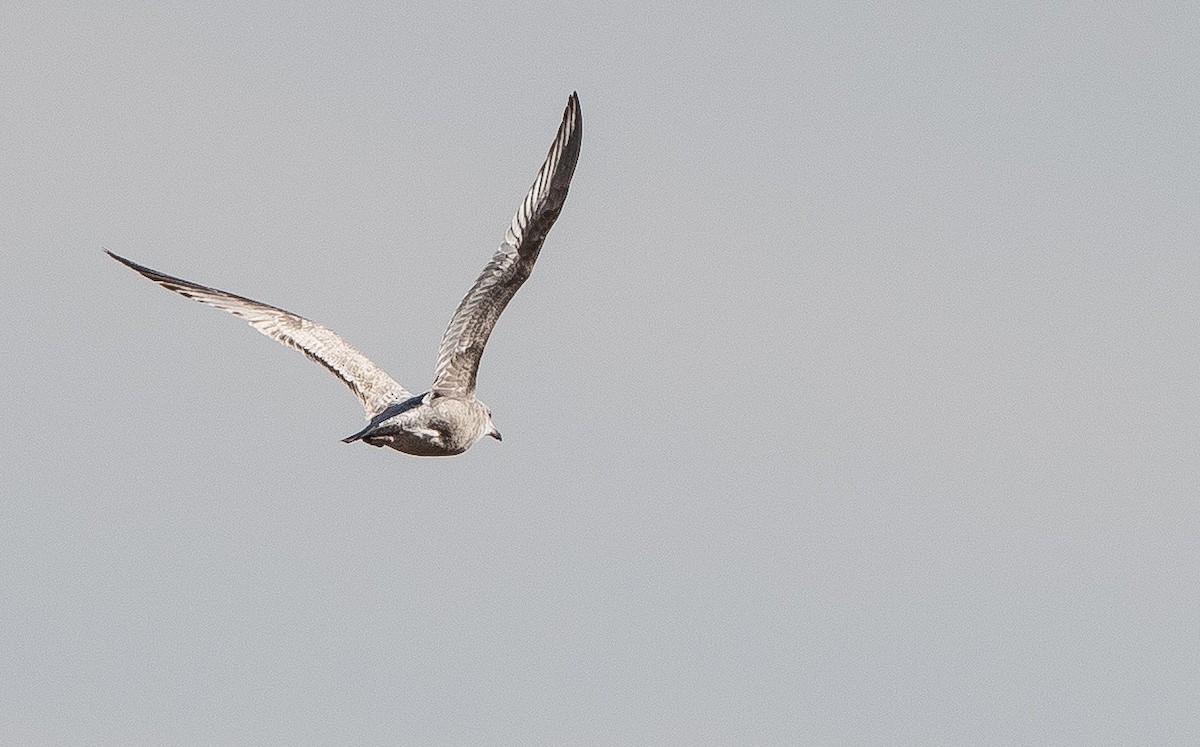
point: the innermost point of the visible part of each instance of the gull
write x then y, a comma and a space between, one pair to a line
447, 419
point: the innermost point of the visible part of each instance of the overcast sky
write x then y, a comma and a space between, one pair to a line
853, 399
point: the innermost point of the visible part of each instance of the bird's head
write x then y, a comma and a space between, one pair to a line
489, 429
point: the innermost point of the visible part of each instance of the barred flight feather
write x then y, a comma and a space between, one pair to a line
476, 315
371, 384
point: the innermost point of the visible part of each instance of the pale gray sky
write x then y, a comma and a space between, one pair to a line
853, 399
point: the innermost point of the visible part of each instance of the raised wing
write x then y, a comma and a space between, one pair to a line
472, 323
373, 387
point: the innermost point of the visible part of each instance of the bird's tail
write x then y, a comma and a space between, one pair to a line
358, 436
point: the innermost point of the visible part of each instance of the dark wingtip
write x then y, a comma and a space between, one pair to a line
129, 263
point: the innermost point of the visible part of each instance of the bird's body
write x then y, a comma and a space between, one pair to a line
448, 419
428, 426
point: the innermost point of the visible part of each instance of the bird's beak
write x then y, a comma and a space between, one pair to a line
495, 434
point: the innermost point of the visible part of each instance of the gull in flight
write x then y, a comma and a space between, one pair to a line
448, 418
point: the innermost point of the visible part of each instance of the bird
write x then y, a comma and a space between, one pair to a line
448, 419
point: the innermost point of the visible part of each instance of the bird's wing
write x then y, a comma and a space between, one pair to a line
371, 384
472, 323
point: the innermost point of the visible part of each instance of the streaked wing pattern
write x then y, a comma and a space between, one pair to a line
472, 323
371, 384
